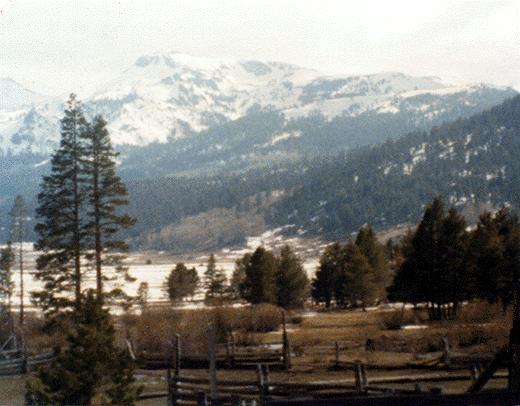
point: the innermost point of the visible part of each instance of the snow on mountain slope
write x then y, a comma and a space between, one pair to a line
13, 95
173, 95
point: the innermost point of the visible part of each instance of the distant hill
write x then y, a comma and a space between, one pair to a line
472, 162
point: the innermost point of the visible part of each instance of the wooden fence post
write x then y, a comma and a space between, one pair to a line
475, 372
286, 346
446, 351
212, 362
229, 360
364, 379
514, 342
233, 349
202, 399
171, 390
358, 378
267, 381
178, 355
336, 357
261, 383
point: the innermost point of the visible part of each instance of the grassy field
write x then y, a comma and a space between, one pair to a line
11, 391
480, 330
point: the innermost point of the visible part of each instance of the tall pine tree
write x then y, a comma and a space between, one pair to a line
18, 228
325, 280
259, 285
374, 251
6, 287
105, 194
291, 280
60, 205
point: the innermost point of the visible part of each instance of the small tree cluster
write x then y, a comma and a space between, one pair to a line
263, 277
181, 282
353, 274
442, 264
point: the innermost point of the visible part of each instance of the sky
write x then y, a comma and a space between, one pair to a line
55, 47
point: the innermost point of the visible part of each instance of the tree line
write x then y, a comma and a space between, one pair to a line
441, 264
258, 277
445, 262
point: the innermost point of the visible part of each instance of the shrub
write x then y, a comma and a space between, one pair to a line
261, 318
396, 319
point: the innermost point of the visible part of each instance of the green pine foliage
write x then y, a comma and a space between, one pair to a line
18, 216
291, 280
215, 281
89, 368
324, 282
181, 282
238, 277
6, 288
259, 284
105, 195
79, 212
357, 279
376, 254
60, 208
443, 264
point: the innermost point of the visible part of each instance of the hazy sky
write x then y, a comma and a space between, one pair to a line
61, 46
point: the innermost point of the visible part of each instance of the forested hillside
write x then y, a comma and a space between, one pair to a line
472, 162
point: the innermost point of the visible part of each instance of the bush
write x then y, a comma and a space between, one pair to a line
261, 318
396, 319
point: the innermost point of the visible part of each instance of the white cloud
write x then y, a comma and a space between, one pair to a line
58, 46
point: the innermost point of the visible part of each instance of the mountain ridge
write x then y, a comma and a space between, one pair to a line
170, 96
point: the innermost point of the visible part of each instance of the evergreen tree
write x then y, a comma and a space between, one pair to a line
485, 256
494, 255
18, 228
60, 205
90, 367
238, 277
508, 228
214, 279
357, 281
324, 282
181, 282
374, 251
6, 286
143, 293
260, 282
106, 194
406, 284
209, 274
453, 281
217, 288
291, 280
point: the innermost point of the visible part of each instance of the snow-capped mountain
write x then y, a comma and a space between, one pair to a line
170, 96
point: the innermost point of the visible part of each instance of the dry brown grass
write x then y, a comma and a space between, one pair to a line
155, 329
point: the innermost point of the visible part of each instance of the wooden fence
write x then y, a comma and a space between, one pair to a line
21, 364
190, 390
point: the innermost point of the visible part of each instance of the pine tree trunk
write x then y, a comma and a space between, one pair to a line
97, 233
21, 282
77, 249
514, 343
